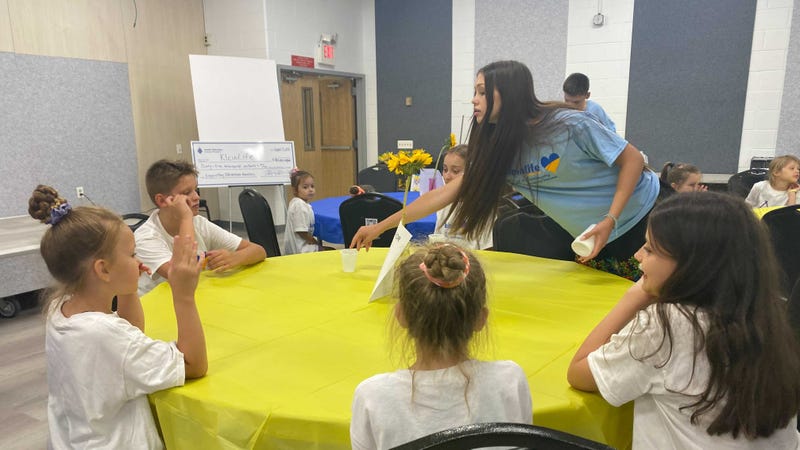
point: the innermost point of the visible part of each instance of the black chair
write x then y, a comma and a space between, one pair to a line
783, 224
793, 311
793, 314
379, 177
203, 206
135, 220
501, 434
258, 221
529, 231
740, 184
364, 209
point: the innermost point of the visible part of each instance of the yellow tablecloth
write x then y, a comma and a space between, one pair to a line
290, 338
763, 210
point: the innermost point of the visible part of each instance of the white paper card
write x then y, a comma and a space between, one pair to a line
383, 285
430, 179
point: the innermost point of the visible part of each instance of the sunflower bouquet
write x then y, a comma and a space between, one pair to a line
405, 165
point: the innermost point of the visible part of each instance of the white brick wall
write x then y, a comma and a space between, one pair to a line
602, 53
463, 67
765, 83
370, 71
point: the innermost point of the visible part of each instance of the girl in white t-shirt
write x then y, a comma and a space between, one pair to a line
780, 189
700, 343
100, 364
299, 235
453, 165
441, 306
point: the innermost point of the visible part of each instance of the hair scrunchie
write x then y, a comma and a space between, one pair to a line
445, 284
58, 212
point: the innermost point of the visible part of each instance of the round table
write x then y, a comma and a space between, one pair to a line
291, 337
328, 227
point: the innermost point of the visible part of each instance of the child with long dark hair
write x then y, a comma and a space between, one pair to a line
574, 169
700, 343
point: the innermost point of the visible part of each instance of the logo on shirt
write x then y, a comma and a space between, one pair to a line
544, 169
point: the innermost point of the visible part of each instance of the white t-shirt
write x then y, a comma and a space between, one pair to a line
763, 195
385, 416
100, 369
660, 392
299, 217
483, 242
154, 245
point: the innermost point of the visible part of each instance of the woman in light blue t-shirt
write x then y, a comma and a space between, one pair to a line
573, 168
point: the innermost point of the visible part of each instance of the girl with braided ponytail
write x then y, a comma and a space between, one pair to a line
441, 306
100, 364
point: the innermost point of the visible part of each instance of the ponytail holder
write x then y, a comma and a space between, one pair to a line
447, 284
294, 170
58, 212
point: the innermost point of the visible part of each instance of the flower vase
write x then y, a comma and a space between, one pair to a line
407, 183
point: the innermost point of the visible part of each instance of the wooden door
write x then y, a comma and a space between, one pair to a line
319, 116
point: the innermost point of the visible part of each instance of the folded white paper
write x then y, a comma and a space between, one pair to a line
383, 285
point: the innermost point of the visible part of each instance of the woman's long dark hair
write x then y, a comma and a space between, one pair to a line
726, 269
494, 148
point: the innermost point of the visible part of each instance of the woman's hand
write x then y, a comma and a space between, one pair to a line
364, 237
601, 233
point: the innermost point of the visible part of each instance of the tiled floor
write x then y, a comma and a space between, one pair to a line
23, 382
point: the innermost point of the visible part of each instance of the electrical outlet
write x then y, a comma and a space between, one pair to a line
179, 148
405, 144
79, 191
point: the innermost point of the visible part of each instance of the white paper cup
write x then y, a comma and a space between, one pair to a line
434, 238
583, 247
349, 256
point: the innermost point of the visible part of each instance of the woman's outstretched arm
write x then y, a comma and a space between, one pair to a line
425, 205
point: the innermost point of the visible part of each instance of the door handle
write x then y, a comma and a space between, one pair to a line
336, 147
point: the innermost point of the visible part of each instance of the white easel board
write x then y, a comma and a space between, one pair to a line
243, 163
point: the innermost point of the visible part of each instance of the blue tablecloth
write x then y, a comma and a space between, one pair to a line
328, 227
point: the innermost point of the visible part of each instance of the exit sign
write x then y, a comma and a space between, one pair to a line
326, 54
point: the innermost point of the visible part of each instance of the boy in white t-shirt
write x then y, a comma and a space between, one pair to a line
172, 185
